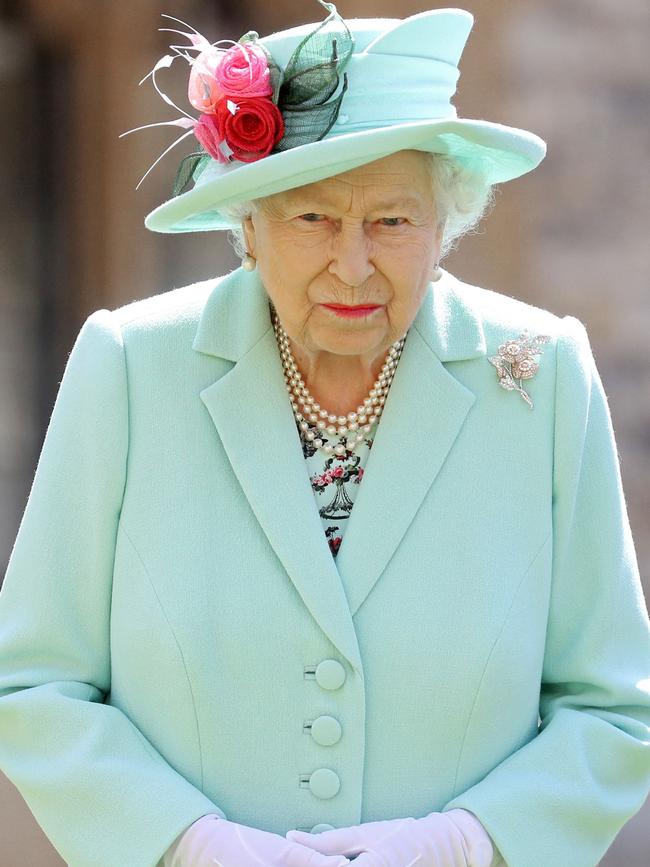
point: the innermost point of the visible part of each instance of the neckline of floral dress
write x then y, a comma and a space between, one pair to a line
335, 481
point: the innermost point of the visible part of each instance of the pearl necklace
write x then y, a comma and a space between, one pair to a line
358, 423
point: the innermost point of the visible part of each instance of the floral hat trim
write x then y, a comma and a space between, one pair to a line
249, 107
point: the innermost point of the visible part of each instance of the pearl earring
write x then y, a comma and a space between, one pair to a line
437, 273
249, 262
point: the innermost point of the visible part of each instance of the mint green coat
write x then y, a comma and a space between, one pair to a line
171, 596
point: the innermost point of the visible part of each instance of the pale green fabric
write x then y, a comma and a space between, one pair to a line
156, 619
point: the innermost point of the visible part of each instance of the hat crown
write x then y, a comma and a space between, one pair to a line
400, 70
437, 34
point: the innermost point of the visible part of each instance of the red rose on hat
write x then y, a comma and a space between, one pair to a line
249, 127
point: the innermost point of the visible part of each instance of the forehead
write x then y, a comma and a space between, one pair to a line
398, 177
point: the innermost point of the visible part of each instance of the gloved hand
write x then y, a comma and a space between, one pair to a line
215, 842
433, 841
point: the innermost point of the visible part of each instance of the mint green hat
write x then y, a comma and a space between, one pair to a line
388, 83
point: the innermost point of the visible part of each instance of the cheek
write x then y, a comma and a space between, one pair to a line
406, 262
293, 250
288, 278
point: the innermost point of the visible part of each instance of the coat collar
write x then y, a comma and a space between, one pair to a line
446, 321
422, 417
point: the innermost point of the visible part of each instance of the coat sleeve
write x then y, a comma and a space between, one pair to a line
564, 796
103, 795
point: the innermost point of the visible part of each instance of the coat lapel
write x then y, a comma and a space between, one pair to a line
250, 409
422, 416
424, 411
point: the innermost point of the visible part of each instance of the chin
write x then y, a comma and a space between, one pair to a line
349, 340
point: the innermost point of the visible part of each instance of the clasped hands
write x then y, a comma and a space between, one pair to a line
433, 841
436, 840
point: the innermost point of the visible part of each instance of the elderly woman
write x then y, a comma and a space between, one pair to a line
207, 655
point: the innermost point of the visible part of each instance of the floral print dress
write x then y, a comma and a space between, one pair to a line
335, 480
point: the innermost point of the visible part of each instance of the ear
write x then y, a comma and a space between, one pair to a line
249, 233
440, 232
438, 243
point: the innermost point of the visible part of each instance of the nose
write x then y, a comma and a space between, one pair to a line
351, 255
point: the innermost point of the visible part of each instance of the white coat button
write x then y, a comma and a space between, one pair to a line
326, 730
324, 783
322, 826
330, 674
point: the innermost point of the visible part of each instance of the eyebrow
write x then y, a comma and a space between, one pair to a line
396, 201
409, 201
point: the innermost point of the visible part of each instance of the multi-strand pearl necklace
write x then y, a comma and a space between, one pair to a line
358, 424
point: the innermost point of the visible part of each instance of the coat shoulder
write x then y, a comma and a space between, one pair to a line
177, 308
502, 315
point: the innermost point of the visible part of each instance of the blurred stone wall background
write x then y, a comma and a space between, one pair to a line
570, 237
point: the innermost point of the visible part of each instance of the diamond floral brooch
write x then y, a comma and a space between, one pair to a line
515, 361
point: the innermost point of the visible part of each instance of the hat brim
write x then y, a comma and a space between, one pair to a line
502, 152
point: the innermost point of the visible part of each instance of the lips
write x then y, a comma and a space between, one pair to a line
353, 307
347, 311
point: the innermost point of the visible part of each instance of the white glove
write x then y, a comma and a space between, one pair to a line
480, 846
215, 842
435, 840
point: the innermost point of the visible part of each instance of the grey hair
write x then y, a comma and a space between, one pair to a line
462, 196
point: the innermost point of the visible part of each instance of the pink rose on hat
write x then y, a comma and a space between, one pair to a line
203, 90
207, 132
244, 71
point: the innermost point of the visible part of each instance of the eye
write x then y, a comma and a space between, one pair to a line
390, 224
306, 217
